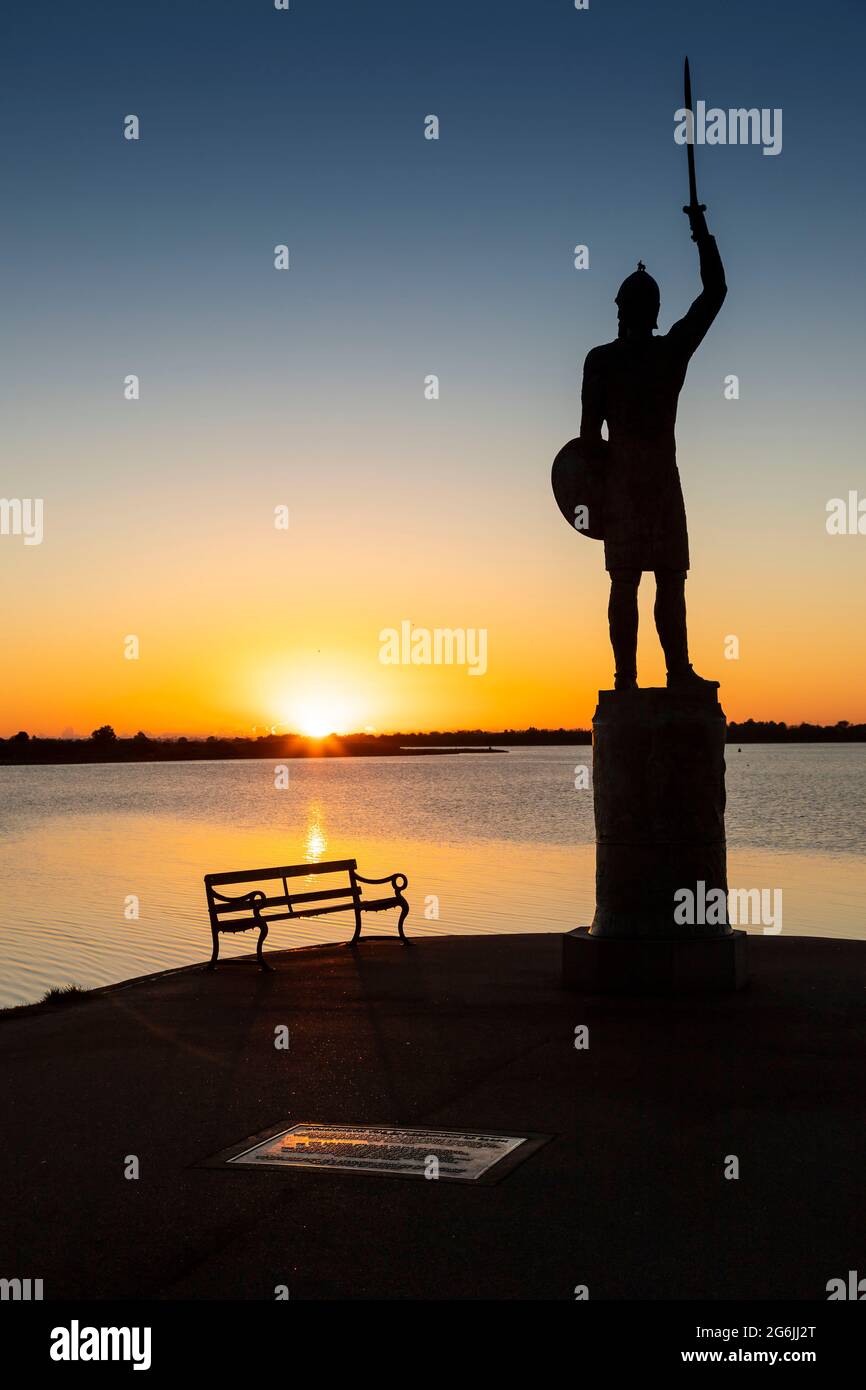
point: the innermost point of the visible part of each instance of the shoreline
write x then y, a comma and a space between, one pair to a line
57, 1006
257, 756
84, 755
60, 998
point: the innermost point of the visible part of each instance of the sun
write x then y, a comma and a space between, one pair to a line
317, 716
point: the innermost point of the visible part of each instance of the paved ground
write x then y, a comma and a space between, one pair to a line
629, 1198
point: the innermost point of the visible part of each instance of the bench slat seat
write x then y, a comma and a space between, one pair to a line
256, 908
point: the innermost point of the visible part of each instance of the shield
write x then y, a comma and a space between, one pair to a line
578, 486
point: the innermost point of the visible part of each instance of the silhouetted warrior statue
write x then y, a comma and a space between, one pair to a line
634, 384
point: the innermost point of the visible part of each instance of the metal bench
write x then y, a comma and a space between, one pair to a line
258, 907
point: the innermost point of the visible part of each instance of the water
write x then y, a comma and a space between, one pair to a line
493, 842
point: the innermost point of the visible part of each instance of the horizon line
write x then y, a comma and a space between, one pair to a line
110, 736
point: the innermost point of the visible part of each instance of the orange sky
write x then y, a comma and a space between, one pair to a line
243, 626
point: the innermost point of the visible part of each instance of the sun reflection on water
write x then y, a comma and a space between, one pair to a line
315, 841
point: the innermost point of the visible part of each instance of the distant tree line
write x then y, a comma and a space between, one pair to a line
771, 731
105, 746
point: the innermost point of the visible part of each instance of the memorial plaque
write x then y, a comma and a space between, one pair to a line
450, 1155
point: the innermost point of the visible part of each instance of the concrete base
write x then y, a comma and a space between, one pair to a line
644, 965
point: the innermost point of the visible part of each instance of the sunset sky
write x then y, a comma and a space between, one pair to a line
305, 388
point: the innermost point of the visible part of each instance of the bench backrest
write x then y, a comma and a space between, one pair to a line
279, 898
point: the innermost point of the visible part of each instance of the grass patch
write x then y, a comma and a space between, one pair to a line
63, 994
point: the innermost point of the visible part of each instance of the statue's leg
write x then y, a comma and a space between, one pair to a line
622, 615
670, 616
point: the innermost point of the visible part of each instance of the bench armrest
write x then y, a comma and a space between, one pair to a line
245, 900
389, 878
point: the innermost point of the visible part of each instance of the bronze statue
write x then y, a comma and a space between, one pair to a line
626, 490
634, 384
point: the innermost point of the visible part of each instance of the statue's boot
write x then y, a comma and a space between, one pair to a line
625, 680
686, 678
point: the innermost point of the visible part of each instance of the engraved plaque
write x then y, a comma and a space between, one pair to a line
391, 1151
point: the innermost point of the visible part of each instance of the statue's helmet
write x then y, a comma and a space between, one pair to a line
639, 299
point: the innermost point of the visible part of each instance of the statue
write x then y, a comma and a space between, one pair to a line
626, 490
658, 756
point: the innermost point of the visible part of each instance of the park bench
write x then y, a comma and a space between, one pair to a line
276, 901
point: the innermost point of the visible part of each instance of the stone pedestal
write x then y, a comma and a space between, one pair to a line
659, 792
641, 965
661, 864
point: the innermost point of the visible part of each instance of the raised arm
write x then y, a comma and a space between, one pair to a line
690, 330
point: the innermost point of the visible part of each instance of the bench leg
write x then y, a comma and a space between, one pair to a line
216, 950
404, 913
357, 926
263, 931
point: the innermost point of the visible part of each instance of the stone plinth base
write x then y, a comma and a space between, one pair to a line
646, 965
658, 771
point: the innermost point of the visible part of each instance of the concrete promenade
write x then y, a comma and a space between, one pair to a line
629, 1198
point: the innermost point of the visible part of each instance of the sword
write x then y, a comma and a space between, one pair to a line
693, 205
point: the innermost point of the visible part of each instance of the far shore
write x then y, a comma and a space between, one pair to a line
105, 747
